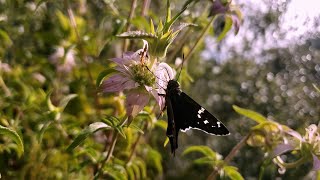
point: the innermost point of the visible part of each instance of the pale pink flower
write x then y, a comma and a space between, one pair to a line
135, 79
63, 60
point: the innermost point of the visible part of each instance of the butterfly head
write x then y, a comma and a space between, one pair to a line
173, 85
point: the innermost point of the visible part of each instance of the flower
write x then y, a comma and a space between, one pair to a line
63, 60
308, 145
225, 10
136, 79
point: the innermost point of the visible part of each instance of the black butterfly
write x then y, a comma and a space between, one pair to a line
184, 113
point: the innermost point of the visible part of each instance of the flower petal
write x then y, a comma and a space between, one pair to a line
294, 134
316, 163
117, 83
135, 102
282, 148
160, 99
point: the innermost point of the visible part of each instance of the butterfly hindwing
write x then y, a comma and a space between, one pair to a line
188, 114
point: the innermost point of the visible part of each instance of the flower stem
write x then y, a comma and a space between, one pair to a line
132, 10
111, 147
83, 56
229, 157
134, 147
4, 87
200, 38
281, 163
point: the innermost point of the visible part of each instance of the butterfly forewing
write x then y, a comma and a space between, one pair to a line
189, 114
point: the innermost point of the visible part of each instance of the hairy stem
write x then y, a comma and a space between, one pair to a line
132, 10
200, 38
229, 157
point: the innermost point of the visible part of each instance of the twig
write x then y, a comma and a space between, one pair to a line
229, 157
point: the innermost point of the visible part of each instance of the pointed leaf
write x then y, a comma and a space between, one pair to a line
15, 137
85, 133
205, 150
232, 173
135, 127
168, 16
121, 132
64, 102
49, 103
227, 26
316, 87
205, 161
152, 31
250, 114
166, 142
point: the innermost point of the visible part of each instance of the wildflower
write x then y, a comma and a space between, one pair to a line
135, 78
4, 67
63, 60
308, 145
225, 10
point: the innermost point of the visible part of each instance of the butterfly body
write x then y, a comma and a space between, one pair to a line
184, 113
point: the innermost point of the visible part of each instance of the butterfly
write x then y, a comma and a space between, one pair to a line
184, 113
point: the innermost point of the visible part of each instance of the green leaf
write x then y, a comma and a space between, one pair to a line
168, 25
162, 124
205, 161
116, 171
49, 103
142, 166
315, 86
63, 103
136, 170
121, 131
227, 26
5, 38
232, 173
15, 137
152, 31
166, 142
168, 16
103, 74
135, 127
205, 150
85, 133
250, 114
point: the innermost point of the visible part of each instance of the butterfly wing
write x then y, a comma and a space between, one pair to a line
189, 114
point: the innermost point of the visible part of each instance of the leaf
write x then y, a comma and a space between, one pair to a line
232, 173
166, 142
15, 137
121, 131
137, 35
168, 16
205, 161
162, 124
86, 132
5, 38
63, 103
135, 127
227, 26
205, 150
142, 166
168, 25
250, 114
103, 74
49, 103
116, 171
316, 87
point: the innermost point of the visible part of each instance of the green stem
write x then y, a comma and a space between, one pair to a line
111, 147
132, 10
200, 38
83, 56
281, 163
4, 87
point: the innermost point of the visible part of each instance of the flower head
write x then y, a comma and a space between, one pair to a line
135, 78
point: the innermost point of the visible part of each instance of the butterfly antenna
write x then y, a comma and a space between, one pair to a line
181, 67
156, 77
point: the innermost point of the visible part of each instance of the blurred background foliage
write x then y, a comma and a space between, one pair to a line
49, 63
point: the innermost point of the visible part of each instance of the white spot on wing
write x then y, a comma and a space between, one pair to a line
206, 122
199, 116
218, 123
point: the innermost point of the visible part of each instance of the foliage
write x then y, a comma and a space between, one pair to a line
56, 122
